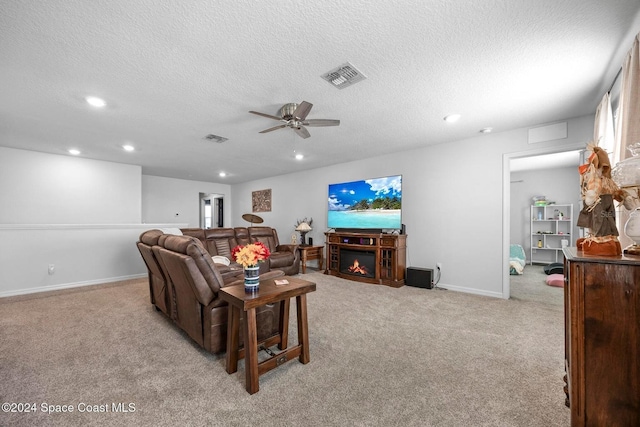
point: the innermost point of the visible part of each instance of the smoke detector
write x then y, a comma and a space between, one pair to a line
344, 76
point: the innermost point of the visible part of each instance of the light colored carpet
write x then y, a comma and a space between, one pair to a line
379, 357
532, 287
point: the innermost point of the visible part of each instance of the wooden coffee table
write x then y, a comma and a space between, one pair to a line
241, 301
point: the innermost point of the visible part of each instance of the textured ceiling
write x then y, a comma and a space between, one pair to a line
173, 72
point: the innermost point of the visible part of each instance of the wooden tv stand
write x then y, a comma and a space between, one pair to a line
389, 250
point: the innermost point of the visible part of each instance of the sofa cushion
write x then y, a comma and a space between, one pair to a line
242, 235
223, 248
268, 241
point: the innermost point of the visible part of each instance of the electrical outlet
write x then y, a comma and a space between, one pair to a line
439, 265
52, 269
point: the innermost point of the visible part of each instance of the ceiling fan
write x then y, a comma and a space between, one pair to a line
295, 116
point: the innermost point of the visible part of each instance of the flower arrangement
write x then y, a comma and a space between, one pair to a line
250, 255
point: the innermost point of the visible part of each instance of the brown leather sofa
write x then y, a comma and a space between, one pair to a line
220, 241
283, 257
184, 284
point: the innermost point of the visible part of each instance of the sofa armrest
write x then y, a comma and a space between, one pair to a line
293, 249
287, 248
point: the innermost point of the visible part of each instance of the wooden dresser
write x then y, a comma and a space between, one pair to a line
602, 339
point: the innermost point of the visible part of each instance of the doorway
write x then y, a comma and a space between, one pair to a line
543, 158
211, 210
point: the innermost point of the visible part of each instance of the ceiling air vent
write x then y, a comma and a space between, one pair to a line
344, 76
216, 138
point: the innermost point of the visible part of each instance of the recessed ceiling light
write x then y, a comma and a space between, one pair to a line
95, 101
128, 147
299, 156
451, 118
74, 151
222, 174
486, 130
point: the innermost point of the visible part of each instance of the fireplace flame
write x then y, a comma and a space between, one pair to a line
355, 268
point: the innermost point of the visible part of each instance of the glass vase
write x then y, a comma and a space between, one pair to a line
251, 278
632, 230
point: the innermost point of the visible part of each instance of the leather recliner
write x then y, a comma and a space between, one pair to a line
283, 257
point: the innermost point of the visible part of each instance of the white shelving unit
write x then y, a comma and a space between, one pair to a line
550, 225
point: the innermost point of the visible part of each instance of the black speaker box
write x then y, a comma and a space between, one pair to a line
310, 241
420, 277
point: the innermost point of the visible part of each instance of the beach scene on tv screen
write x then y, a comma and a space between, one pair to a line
370, 203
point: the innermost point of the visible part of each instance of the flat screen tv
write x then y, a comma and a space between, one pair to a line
367, 204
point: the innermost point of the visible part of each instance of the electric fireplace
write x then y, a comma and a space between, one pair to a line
381, 257
358, 263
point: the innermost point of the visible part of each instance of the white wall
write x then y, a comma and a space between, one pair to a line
82, 254
452, 201
561, 185
81, 215
39, 188
167, 200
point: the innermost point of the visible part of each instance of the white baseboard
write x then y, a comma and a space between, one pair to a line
70, 285
471, 290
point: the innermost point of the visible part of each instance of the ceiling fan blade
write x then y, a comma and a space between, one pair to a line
269, 116
302, 131
302, 110
273, 128
321, 122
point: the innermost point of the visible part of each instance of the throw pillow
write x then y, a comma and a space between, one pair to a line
221, 260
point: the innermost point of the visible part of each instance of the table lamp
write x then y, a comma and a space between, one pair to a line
303, 228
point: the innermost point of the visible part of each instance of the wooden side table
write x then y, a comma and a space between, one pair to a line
308, 253
241, 301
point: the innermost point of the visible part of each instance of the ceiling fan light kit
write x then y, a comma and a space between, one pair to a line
294, 116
